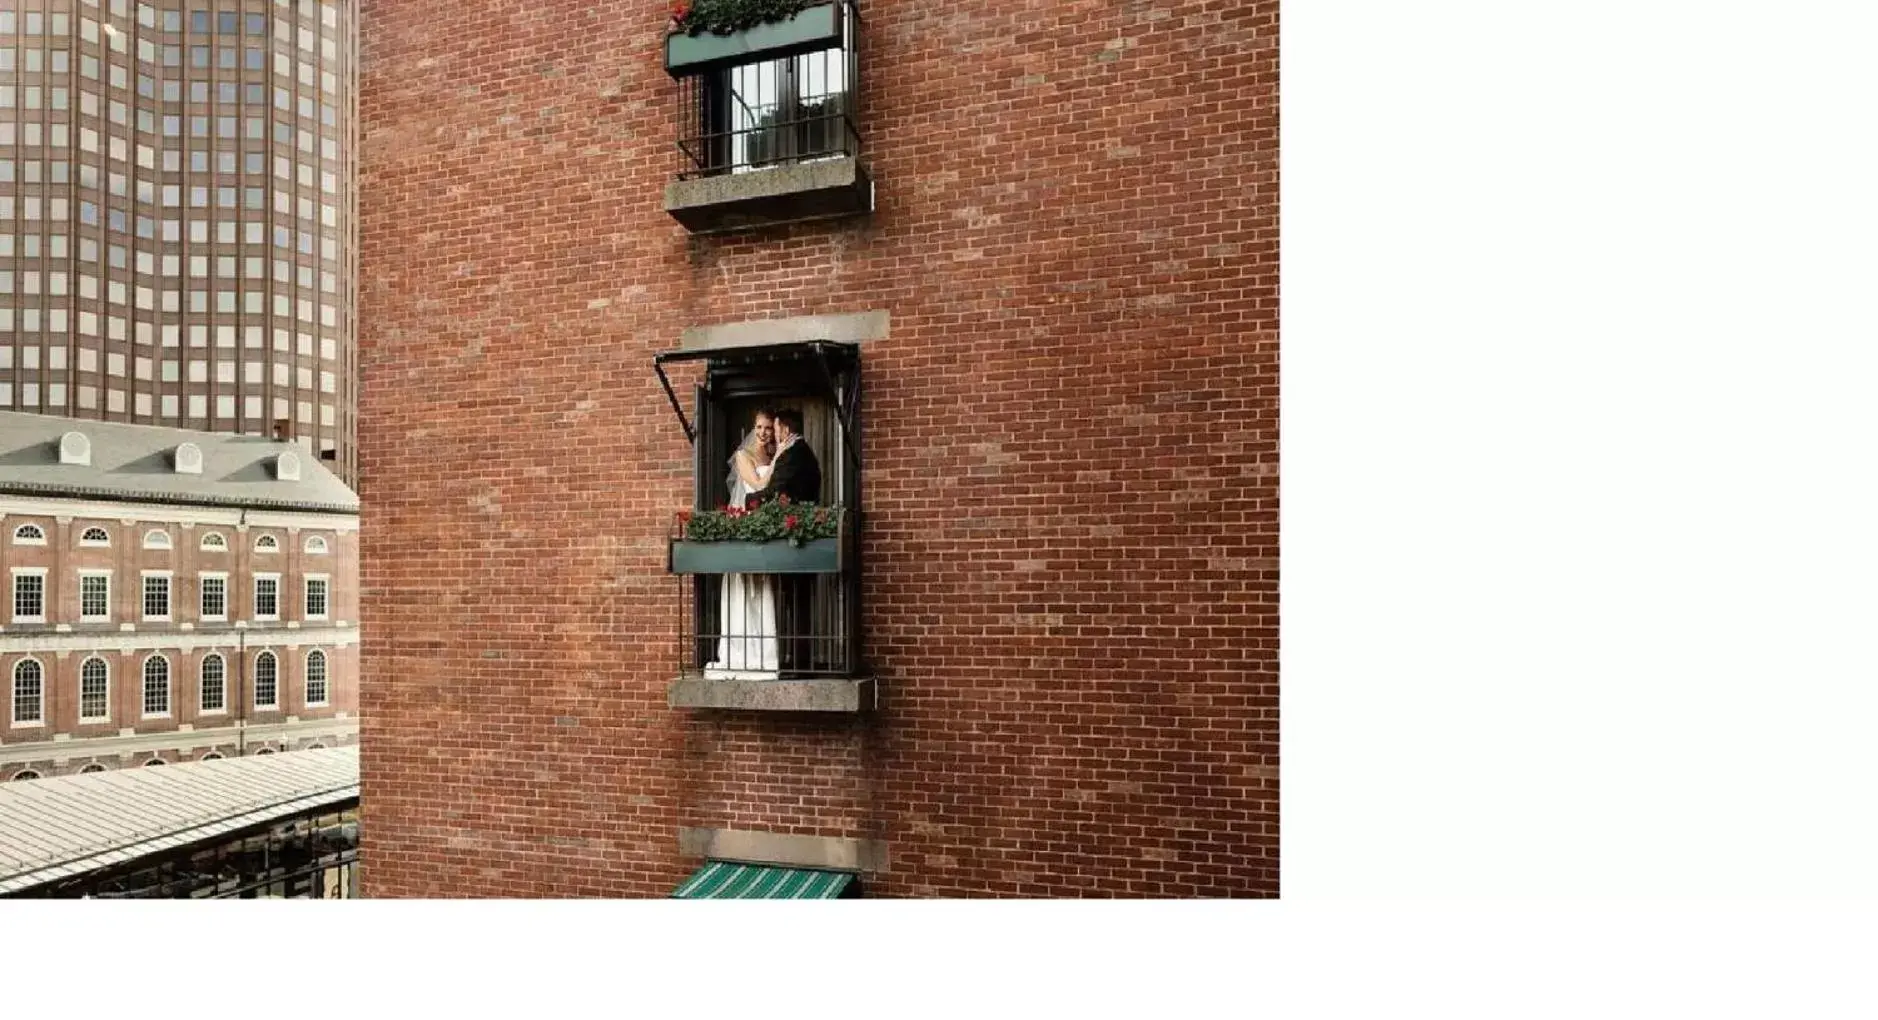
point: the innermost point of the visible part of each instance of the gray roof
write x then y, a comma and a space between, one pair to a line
134, 463
52, 829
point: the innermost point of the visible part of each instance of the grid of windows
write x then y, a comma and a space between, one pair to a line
156, 686
214, 684
316, 598
316, 677
29, 598
266, 681
156, 596
94, 690
142, 113
29, 693
94, 597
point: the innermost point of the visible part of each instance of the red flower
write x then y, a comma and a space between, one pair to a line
684, 516
751, 503
680, 8
790, 522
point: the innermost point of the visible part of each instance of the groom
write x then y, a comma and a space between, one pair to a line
795, 472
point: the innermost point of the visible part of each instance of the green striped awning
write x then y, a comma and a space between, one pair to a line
728, 880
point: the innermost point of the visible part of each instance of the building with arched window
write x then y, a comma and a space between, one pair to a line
169, 595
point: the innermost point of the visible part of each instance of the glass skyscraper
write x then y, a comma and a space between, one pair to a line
177, 215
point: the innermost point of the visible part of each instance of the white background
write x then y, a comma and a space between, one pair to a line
1580, 564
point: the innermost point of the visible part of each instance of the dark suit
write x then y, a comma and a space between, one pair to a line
796, 474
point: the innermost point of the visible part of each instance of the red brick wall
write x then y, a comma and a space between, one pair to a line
1071, 448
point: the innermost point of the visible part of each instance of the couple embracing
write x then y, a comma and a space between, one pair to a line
773, 460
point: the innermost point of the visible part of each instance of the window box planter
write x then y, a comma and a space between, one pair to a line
811, 29
818, 556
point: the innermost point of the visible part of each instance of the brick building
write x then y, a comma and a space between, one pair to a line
170, 596
1017, 264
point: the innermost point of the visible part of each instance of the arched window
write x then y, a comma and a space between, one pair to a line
315, 545
156, 539
214, 683
265, 750
95, 538
90, 768
24, 774
29, 534
94, 690
156, 686
316, 747
29, 693
154, 761
316, 677
267, 544
214, 542
212, 756
266, 681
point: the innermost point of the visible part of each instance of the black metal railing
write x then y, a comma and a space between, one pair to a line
822, 136
787, 626
770, 113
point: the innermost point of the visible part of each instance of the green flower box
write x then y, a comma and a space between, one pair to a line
817, 556
810, 30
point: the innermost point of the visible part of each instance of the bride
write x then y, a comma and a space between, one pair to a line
747, 649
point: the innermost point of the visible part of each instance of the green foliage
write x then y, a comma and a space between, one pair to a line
796, 523
726, 16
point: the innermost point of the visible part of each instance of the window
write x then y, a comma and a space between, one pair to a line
25, 774
214, 596
94, 691
265, 750
156, 686
267, 596
214, 683
154, 761
315, 545
267, 544
214, 542
29, 693
316, 598
156, 540
94, 596
29, 595
316, 677
156, 596
29, 534
266, 681
211, 756
95, 538
92, 767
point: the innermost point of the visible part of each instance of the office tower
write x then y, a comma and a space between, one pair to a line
176, 215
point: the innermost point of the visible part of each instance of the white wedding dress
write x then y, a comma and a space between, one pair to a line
747, 649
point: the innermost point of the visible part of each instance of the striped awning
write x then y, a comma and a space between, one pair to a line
729, 880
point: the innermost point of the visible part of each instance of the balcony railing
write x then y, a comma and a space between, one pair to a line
770, 133
791, 615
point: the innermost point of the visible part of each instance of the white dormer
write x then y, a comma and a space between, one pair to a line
75, 448
287, 466
188, 459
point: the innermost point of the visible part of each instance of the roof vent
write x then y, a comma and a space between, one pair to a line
287, 466
75, 448
188, 459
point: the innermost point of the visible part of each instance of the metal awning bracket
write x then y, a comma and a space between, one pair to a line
658, 365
